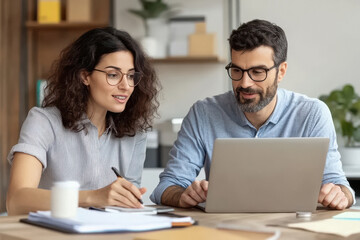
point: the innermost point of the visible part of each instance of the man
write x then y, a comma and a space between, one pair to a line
255, 108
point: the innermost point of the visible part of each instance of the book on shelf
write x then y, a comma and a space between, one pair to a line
49, 11
40, 91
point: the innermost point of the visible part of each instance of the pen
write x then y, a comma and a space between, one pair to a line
118, 175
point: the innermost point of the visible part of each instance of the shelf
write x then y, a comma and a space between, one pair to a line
188, 60
64, 25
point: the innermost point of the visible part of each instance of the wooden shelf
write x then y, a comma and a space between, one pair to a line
64, 25
188, 60
45, 41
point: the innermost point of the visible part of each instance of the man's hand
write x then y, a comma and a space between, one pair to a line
180, 197
335, 196
194, 194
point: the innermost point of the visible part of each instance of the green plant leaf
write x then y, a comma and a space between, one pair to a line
151, 9
139, 13
344, 105
348, 93
347, 128
357, 134
355, 108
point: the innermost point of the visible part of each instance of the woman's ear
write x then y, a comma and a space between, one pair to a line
85, 77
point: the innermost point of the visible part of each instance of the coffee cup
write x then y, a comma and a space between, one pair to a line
64, 199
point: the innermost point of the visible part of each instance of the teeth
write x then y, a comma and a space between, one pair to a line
120, 97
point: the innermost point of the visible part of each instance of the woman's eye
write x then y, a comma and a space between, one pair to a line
113, 75
130, 76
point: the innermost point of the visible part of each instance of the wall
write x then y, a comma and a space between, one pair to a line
10, 35
183, 83
323, 41
323, 38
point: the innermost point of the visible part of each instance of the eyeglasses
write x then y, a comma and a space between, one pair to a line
114, 77
257, 74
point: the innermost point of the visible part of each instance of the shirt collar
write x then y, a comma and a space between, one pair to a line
274, 117
85, 121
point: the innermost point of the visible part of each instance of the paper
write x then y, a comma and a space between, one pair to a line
343, 228
89, 221
178, 220
145, 210
194, 232
348, 216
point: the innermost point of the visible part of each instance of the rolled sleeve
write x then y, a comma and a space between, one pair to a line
186, 157
36, 135
324, 127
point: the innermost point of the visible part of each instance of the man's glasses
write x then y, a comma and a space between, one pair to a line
114, 77
257, 74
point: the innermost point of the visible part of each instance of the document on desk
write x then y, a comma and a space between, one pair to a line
89, 221
345, 225
144, 210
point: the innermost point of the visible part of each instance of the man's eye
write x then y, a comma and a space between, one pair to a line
235, 70
258, 71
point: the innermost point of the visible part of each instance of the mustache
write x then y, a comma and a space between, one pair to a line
247, 90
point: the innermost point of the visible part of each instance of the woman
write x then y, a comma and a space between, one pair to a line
100, 100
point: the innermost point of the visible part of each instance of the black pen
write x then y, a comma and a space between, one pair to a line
118, 175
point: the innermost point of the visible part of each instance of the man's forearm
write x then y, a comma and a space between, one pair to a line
348, 195
171, 196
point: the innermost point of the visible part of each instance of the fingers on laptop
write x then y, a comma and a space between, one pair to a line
332, 196
194, 194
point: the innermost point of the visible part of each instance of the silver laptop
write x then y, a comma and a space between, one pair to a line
266, 174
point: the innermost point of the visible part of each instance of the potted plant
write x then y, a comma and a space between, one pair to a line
154, 42
344, 105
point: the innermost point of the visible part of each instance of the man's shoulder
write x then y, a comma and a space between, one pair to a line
217, 100
296, 98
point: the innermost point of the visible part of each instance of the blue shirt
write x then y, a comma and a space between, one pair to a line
295, 115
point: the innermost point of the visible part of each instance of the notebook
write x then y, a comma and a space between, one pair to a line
90, 221
266, 174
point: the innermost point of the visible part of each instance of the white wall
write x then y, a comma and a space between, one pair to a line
323, 37
184, 83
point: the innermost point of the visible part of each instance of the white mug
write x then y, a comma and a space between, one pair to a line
64, 199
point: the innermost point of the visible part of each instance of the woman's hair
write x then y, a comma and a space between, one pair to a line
67, 92
258, 33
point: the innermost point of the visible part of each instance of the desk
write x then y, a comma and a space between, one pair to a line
12, 229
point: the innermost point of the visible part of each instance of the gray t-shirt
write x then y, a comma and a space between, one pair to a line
79, 156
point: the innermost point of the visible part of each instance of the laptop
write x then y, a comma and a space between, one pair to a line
266, 175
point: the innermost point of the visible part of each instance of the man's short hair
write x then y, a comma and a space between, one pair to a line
258, 33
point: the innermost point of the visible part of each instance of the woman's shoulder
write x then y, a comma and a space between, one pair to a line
47, 114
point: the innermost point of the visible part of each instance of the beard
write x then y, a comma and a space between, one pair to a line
251, 105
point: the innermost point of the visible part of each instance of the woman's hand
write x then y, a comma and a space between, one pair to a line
120, 193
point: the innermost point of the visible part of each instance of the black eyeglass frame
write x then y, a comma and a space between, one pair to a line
247, 70
122, 76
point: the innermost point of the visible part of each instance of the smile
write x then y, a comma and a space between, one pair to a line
119, 97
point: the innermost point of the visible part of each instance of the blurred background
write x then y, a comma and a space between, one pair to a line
187, 41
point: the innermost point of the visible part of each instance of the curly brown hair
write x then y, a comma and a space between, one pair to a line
66, 91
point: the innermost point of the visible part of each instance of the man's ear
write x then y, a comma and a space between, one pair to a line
282, 71
85, 77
